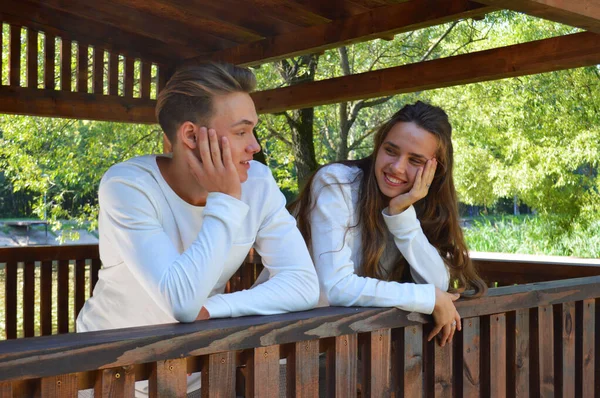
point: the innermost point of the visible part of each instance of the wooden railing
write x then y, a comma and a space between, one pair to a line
526, 340
45, 287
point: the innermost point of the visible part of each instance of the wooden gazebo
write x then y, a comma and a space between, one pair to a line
538, 338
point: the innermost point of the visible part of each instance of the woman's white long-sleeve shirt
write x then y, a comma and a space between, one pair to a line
337, 252
163, 259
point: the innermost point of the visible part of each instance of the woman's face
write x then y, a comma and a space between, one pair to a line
405, 149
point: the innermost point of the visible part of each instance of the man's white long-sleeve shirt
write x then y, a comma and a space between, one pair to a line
163, 258
337, 251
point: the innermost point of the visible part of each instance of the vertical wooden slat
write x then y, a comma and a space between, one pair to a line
15, 56
63, 296
162, 78
168, 378
28, 298
586, 380
98, 84
218, 375
518, 354
471, 352
32, 58
146, 77
49, 52
115, 383
113, 74
59, 386
129, 75
65, 65
546, 351
6, 390
1, 57
263, 372
443, 386
79, 285
497, 356
46, 298
412, 372
10, 303
567, 340
302, 370
95, 268
247, 275
82, 68
341, 366
378, 360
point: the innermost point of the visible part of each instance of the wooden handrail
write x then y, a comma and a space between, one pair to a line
45, 356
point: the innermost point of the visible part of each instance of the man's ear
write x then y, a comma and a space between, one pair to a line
186, 133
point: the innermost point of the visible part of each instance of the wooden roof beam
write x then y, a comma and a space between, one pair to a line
379, 22
564, 52
584, 14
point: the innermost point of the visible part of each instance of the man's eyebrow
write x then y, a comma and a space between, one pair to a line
396, 147
243, 122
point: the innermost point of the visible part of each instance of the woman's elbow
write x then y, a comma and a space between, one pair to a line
185, 315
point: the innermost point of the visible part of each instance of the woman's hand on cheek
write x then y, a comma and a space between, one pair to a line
418, 191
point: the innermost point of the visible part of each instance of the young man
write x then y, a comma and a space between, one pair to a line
174, 229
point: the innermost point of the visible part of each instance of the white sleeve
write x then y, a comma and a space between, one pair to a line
332, 254
426, 264
292, 283
182, 282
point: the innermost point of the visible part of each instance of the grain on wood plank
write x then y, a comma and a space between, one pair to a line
62, 386
28, 298
443, 386
46, 298
169, 378
585, 380
14, 65
82, 67
534, 353
32, 58
263, 372
218, 375
412, 371
10, 301
342, 366
128, 77
98, 66
596, 362
146, 79
79, 286
49, 62
63, 296
113, 74
567, 343
379, 361
115, 382
65, 65
302, 370
471, 382
497, 355
546, 350
6, 390
518, 353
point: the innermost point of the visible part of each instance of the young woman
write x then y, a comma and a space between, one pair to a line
383, 231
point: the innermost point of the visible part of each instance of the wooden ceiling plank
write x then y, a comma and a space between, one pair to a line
64, 25
564, 52
285, 10
134, 21
584, 14
51, 103
379, 22
333, 9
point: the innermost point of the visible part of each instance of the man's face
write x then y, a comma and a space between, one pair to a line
235, 117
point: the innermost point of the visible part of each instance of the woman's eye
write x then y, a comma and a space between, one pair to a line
417, 162
241, 133
390, 151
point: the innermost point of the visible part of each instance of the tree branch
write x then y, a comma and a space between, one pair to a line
428, 53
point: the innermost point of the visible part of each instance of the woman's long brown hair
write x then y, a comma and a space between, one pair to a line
437, 212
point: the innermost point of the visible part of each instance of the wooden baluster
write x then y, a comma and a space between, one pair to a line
517, 353
10, 303
546, 351
115, 383
443, 386
46, 298
162, 78
376, 361
146, 79
63, 296
497, 355
98, 79
113, 74
471, 381
566, 379
168, 378
6, 390
59, 386
585, 381
218, 375
79, 286
49, 52
32, 58
95, 268
82, 68
342, 366
129, 75
302, 370
15, 56
28, 298
65, 65
263, 372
